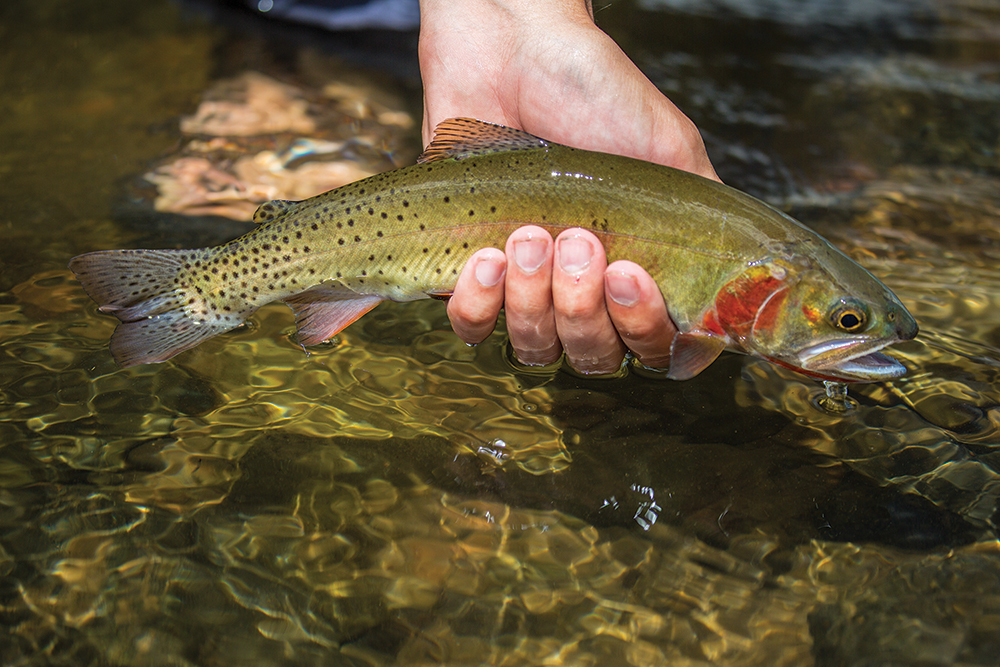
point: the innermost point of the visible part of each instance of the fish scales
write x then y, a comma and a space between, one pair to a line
406, 234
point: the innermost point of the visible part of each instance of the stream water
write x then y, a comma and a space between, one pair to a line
398, 498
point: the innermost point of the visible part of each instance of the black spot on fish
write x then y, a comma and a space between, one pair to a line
379, 233
447, 199
314, 226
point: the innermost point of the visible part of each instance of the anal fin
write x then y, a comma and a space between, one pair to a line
324, 311
691, 353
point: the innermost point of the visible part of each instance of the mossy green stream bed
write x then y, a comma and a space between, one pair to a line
395, 497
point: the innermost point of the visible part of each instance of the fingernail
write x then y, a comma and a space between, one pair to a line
529, 254
574, 254
622, 288
488, 272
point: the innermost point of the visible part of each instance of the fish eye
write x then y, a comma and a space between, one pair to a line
849, 317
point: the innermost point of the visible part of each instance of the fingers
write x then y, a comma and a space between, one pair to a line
531, 323
639, 313
588, 336
562, 295
478, 296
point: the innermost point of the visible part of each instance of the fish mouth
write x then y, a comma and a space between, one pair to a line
851, 360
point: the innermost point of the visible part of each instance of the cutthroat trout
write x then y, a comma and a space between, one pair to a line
736, 274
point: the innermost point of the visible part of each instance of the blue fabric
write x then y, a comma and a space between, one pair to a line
344, 14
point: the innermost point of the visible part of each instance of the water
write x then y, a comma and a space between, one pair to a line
396, 497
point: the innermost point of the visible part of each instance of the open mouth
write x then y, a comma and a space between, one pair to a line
852, 360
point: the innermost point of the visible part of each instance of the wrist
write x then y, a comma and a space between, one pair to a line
516, 10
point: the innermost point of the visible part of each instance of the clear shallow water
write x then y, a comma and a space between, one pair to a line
398, 498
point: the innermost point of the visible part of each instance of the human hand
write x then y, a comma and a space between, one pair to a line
560, 296
544, 67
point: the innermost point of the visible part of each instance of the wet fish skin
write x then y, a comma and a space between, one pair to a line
735, 272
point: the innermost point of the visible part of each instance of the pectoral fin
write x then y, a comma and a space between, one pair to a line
323, 312
691, 353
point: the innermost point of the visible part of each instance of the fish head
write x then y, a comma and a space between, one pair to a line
827, 318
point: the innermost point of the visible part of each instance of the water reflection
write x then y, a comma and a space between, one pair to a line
396, 497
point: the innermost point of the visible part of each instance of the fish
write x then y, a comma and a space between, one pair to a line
736, 273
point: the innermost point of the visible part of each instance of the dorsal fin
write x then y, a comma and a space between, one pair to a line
464, 137
272, 210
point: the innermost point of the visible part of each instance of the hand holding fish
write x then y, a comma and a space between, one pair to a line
563, 296
546, 68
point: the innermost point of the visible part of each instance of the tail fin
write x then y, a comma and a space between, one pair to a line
160, 315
